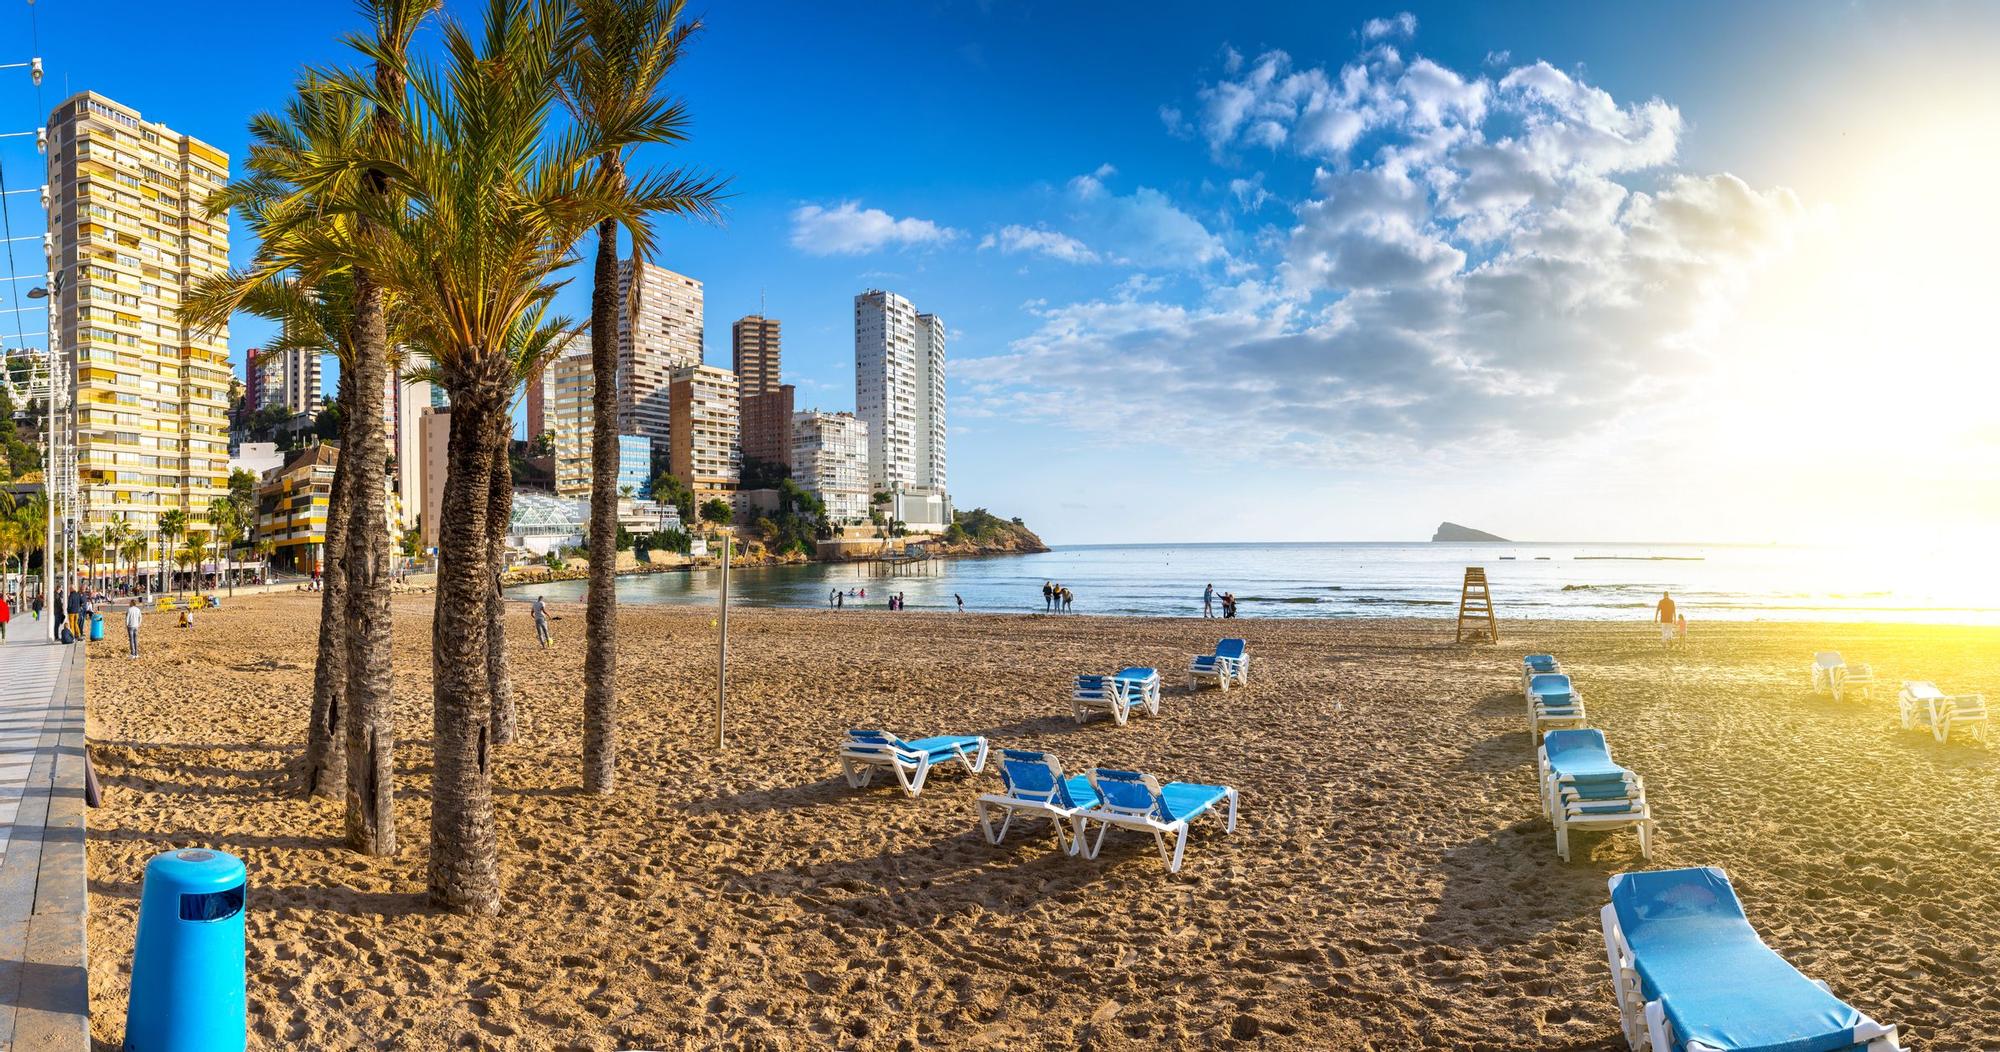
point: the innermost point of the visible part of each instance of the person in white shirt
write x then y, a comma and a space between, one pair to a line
132, 616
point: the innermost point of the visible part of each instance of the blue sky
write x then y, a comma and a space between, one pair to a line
1271, 271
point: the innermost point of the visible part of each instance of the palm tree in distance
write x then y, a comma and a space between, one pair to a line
613, 83
173, 523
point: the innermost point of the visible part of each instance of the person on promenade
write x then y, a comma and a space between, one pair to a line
541, 613
1663, 615
36, 606
961, 601
1208, 601
132, 618
6, 615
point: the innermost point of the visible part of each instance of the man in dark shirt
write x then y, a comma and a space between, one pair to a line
1664, 615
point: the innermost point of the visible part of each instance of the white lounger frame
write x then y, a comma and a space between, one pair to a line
1564, 807
1116, 698
1842, 679
1108, 814
1645, 1022
859, 763
1222, 672
1069, 833
1541, 720
1943, 715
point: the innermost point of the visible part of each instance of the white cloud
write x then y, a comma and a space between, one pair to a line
1052, 243
1478, 275
847, 229
1402, 25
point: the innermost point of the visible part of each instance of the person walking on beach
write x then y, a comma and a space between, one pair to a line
132, 618
1663, 615
1208, 601
954, 595
1068, 597
839, 601
1048, 591
541, 614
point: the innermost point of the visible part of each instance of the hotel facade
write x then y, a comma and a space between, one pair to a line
129, 236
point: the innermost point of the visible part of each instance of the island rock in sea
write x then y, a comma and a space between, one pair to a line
1453, 533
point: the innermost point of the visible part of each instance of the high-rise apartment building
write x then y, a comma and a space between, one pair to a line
285, 379
659, 331
899, 391
406, 444
829, 458
766, 401
753, 354
568, 399
703, 451
541, 386
129, 235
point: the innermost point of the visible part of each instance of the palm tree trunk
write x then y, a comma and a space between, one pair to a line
499, 509
600, 655
326, 737
371, 727
464, 864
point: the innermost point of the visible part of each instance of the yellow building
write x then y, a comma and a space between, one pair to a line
129, 237
292, 502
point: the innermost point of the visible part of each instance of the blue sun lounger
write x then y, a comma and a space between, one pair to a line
1583, 789
911, 761
1691, 975
1138, 801
1538, 665
1229, 664
1035, 783
1117, 695
1553, 702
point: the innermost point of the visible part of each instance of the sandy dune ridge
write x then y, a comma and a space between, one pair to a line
1391, 884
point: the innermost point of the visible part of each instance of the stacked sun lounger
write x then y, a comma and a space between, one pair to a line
1538, 665
1831, 674
865, 751
1691, 975
1553, 703
1119, 695
1925, 707
1229, 664
1583, 789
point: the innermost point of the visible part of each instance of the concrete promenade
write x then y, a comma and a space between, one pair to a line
44, 985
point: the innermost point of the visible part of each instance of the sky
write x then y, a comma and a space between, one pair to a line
1278, 271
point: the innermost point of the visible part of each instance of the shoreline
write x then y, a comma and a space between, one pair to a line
1390, 884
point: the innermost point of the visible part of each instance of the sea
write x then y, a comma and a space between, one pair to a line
1359, 579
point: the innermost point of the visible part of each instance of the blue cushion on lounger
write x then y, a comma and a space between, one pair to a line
1697, 954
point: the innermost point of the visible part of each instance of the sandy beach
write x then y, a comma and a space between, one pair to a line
1390, 886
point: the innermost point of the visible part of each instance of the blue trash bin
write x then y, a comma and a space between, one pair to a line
187, 968
96, 627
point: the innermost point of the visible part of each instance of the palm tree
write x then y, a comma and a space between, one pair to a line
613, 83
173, 523
189, 555
133, 548
32, 518
114, 535
495, 210
11, 543
91, 547
226, 522
317, 303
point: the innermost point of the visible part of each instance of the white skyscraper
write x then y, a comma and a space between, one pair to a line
899, 391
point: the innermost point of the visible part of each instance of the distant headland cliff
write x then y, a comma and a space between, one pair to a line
1453, 533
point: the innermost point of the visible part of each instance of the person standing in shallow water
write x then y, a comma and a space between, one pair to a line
1208, 601
1663, 615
